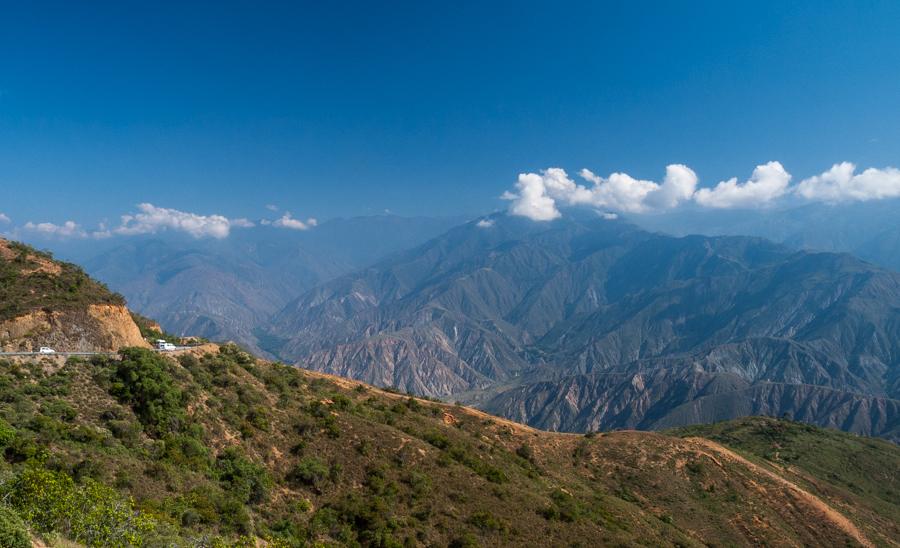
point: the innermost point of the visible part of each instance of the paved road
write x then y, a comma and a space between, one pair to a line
59, 354
87, 353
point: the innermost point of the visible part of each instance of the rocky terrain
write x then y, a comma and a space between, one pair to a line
586, 323
50, 303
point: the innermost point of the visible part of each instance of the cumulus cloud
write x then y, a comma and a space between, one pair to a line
287, 221
69, 229
4, 219
538, 194
841, 183
152, 219
485, 223
532, 200
768, 183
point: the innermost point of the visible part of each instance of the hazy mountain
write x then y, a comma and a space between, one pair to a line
869, 230
230, 448
225, 289
141, 448
585, 323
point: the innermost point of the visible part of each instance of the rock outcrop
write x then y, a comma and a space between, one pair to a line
98, 328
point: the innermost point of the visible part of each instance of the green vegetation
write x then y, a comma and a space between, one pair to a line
827, 462
141, 380
13, 533
26, 284
224, 450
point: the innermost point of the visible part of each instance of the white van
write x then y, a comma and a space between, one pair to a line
164, 345
46, 350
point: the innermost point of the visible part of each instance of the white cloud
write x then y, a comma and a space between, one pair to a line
485, 223
609, 216
242, 223
152, 219
68, 229
272, 207
538, 195
532, 200
842, 184
768, 183
286, 221
4, 219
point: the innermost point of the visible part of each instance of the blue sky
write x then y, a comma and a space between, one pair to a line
334, 109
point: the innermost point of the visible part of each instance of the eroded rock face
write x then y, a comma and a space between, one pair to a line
98, 328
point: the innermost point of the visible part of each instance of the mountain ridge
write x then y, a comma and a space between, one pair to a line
488, 309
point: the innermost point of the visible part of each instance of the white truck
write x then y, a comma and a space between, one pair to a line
164, 346
46, 350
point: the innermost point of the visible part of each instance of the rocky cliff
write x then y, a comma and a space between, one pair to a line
44, 302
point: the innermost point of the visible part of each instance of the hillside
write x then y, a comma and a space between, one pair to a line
218, 449
583, 324
44, 302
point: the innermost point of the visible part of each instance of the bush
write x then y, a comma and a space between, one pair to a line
13, 533
310, 472
91, 514
141, 380
7, 434
564, 507
487, 522
525, 451
242, 477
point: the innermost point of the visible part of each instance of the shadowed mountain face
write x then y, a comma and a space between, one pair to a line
589, 323
226, 289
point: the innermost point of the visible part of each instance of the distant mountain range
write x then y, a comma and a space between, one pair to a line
580, 324
207, 445
226, 289
585, 323
869, 230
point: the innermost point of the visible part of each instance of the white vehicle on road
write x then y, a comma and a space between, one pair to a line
164, 345
46, 350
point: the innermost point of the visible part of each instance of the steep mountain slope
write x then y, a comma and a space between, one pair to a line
226, 289
44, 302
221, 449
505, 315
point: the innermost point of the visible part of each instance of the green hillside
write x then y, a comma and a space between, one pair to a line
859, 471
33, 280
221, 449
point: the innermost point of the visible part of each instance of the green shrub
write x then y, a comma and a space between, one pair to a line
13, 533
242, 477
564, 507
91, 514
7, 434
141, 380
310, 472
525, 451
487, 522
